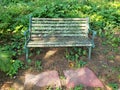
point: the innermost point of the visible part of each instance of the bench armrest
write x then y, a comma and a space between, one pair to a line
93, 36
27, 36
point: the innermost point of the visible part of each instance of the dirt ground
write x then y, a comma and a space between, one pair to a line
105, 63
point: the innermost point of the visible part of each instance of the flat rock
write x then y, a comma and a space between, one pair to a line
82, 76
48, 78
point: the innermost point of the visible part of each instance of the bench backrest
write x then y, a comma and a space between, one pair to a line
59, 27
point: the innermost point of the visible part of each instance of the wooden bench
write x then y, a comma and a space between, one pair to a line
59, 32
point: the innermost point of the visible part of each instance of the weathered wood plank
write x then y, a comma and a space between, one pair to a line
71, 35
60, 31
45, 35
59, 28
57, 45
60, 19
64, 39
57, 25
57, 22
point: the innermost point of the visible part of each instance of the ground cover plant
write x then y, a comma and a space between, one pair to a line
104, 18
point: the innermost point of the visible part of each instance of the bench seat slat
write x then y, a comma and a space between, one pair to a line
58, 31
59, 45
60, 41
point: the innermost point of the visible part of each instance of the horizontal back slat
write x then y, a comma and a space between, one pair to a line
57, 22
59, 31
59, 26
63, 19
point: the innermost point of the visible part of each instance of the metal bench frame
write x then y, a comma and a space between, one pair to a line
61, 25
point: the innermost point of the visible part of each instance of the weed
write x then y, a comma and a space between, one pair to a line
111, 57
116, 50
58, 88
114, 86
97, 88
29, 61
38, 52
16, 64
38, 65
74, 56
119, 76
80, 63
62, 77
74, 53
80, 87
51, 88
31, 54
105, 51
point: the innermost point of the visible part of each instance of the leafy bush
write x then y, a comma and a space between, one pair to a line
8, 65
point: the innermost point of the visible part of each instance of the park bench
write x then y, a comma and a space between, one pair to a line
59, 32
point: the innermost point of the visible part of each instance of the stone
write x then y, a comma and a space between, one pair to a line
82, 76
48, 78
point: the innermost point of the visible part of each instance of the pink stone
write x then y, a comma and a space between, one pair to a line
48, 78
82, 76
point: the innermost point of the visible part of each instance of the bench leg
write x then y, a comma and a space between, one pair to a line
89, 54
26, 53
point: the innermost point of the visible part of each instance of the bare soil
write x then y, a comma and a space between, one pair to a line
102, 63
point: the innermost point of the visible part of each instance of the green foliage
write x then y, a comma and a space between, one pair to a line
80, 87
29, 61
51, 88
80, 63
75, 53
14, 44
15, 65
111, 57
38, 65
114, 86
8, 65
5, 61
